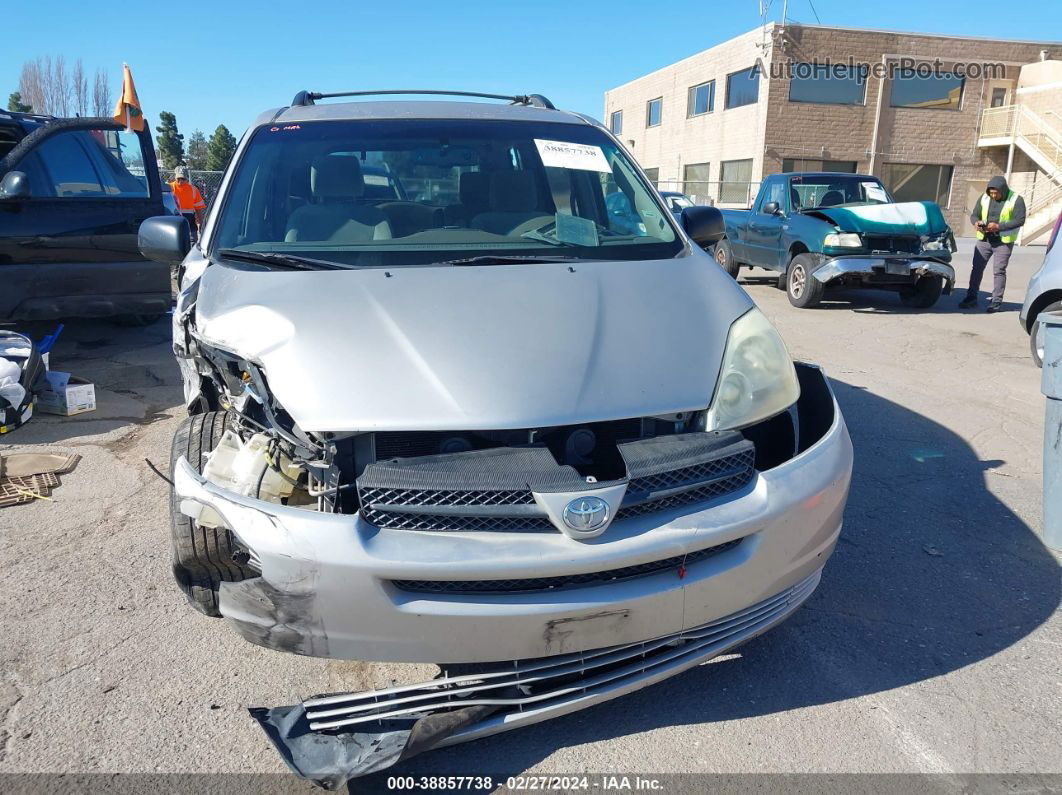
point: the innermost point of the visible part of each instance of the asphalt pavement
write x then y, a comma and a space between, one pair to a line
931, 646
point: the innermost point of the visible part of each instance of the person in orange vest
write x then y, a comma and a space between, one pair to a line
189, 200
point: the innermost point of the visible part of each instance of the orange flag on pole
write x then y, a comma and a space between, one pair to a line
128, 111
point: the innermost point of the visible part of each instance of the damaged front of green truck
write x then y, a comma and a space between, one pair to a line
843, 230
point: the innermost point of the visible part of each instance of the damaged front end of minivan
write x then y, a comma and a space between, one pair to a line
505, 543
488, 427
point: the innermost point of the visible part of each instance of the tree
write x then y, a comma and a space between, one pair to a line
101, 95
48, 86
79, 89
15, 103
170, 142
197, 151
220, 149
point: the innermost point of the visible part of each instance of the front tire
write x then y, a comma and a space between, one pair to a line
724, 255
803, 289
202, 556
924, 294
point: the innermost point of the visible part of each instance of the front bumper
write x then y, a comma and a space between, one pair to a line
327, 580
897, 268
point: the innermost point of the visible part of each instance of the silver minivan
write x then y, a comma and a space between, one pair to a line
484, 423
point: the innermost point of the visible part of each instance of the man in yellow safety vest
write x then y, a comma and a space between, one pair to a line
996, 219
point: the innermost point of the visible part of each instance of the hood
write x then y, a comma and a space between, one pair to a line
481, 347
904, 218
1000, 183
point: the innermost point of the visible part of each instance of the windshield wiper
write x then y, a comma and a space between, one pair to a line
282, 260
504, 259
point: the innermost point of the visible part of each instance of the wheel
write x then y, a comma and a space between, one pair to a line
924, 294
1036, 334
202, 556
803, 289
724, 255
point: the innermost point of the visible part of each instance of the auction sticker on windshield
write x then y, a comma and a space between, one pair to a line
581, 157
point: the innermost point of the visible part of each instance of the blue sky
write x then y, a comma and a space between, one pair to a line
224, 62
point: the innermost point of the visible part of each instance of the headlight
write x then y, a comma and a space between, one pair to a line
939, 243
757, 379
843, 240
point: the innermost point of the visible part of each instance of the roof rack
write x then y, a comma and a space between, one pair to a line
534, 100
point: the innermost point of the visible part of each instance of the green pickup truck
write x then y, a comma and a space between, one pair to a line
840, 230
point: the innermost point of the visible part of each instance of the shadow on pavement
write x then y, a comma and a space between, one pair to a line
932, 573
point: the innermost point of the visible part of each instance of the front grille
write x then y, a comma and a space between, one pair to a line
538, 584
493, 490
382, 507
906, 244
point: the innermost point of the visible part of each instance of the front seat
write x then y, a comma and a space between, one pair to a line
335, 216
832, 198
514, 205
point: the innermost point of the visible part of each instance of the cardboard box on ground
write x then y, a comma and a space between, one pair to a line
66, 395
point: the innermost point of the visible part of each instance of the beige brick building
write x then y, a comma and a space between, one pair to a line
933, 116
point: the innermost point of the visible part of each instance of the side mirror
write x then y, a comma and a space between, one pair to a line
14, 186
772, 208
704, 225
165, 239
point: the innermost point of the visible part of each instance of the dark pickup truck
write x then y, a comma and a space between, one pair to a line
73, 193
837, 229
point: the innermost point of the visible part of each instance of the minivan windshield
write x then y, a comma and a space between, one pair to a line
407, 192
833, 190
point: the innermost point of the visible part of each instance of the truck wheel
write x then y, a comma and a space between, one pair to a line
924, 294
202, 556
803, 289
1036, 334
724, 255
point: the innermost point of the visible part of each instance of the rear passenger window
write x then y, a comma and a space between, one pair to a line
119, 161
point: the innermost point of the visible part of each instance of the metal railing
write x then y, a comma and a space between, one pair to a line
1018, 122
736, 194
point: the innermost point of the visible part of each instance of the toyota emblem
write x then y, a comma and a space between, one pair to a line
586, 514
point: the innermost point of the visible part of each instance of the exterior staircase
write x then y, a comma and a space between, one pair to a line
1042, 142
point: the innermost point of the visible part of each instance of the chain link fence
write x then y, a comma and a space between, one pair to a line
208, 182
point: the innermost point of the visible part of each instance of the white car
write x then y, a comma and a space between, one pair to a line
1044, 294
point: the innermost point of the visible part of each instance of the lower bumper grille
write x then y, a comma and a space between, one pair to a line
567, 581
547, 684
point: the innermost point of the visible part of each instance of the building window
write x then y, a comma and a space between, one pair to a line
743, 88
652, 112
653, 174
701, 99
916, 182
803, 164
615, 123
735, 178
935, 92
828, 85
695, 181
999, 97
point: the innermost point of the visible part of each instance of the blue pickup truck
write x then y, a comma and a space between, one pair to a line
831, 229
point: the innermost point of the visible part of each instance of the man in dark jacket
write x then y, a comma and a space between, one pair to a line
996, 218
